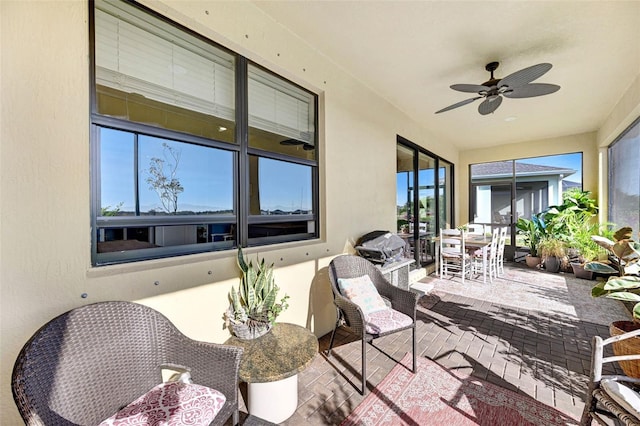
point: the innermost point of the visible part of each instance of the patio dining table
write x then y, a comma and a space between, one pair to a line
481, 242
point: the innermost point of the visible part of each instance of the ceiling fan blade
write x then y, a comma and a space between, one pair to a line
524, 76
532, 90
469, 88
459, 104
489, 105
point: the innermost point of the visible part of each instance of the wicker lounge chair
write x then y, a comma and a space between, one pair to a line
85, 365
352, 316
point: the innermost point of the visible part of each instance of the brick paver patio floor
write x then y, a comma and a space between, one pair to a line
494, 335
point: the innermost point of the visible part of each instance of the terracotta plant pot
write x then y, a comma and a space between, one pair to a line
580, 272
532, 261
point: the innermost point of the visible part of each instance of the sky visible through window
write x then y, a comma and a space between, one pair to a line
566, 161
205, 174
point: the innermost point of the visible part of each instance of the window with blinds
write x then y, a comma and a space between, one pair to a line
173, 173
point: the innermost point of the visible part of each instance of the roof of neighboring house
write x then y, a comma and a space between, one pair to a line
505, 168
567, 184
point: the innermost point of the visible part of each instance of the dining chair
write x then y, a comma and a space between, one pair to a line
454, 257
475, 229
502, 242
489, 257
369, 306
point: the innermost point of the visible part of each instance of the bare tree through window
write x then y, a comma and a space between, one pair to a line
162, 178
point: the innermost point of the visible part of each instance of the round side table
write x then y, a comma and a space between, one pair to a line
270, 365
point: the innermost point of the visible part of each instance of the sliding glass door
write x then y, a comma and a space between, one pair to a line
503, 191
424, 199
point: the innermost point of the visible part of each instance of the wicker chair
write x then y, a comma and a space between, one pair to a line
605, 401
85, 365
351, 316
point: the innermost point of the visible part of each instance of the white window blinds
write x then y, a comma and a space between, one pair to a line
279, 107
137, 53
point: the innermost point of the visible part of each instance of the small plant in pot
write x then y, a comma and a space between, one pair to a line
532, 231
623, 284
552, 250
253, 307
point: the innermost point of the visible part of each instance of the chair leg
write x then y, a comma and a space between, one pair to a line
364, 366
335, 328
413, 348
333, 336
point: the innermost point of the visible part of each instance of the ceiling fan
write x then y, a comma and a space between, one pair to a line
515, 85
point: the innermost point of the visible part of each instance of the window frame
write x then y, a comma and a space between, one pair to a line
240, 150
612, 213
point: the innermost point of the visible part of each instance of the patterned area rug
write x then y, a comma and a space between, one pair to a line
437, 396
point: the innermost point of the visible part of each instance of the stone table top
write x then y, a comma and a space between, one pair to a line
281, 353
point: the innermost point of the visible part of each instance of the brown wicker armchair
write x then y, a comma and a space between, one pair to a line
351, 316
85, 365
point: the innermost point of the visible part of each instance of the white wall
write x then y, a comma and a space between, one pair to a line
45, 230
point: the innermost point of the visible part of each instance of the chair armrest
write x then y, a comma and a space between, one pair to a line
352, 313
402, 300
210, 364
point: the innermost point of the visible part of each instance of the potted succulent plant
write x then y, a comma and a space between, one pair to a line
623, 284
253, 308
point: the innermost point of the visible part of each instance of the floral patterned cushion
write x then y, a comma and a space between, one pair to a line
382, 321
171, 404
362, 292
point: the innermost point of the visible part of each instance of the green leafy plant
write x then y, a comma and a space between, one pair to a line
254, 302
532, 230
623, 266
551, 247
581, 227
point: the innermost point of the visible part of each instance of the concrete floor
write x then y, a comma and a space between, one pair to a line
528, 331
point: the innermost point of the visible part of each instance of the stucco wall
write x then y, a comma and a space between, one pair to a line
44, 189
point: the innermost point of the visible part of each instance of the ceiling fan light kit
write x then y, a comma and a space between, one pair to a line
516, 86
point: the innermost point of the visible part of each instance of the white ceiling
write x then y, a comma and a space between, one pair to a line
410, 52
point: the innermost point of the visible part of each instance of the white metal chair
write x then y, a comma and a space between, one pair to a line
453, 255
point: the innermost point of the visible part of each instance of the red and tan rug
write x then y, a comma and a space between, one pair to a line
437, 396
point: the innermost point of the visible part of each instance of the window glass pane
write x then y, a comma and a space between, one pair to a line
404, 184
281, 116
426, 192
445, 174
279, 188
281, 231
150, 72
184, 179
624, 180
117, 173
